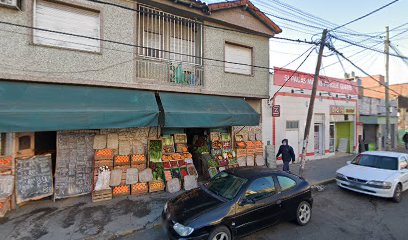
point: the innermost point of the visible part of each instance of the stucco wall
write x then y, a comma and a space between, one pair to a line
22, 59
215, 79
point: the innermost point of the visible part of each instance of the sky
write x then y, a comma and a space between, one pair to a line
340, 12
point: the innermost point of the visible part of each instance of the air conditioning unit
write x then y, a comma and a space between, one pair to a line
11, 4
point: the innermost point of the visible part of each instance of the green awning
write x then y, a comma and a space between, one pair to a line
194, 110
49, 107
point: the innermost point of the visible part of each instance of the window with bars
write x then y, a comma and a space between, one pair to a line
166, 36
292, 124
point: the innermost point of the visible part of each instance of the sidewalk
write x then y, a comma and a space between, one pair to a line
79, 218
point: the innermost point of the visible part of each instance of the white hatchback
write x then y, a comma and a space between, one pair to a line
382, 174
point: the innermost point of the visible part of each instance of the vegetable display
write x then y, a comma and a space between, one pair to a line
155, 150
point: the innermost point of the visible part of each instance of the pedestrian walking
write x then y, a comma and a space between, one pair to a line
405, 139
287, 154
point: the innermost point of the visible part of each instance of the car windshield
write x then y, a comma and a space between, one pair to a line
382, 162
225, 185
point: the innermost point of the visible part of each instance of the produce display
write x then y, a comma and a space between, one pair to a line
155, 150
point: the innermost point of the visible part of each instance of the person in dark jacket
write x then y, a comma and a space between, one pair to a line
405, 139
287, 154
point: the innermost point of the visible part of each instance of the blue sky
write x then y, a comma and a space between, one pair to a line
340, 12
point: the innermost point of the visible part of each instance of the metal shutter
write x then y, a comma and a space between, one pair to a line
238, 54
67, 19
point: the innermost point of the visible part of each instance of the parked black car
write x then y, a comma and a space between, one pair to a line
237, 202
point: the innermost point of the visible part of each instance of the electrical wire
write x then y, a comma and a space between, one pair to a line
366, 15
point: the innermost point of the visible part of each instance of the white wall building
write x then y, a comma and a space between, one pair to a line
333, 127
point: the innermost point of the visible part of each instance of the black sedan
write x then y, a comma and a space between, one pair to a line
237, 202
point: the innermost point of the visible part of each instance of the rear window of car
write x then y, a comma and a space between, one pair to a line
286, 183
374, 161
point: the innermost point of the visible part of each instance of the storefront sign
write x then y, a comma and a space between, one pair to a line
74, 167
276, 111
305, 81
342, 110
34, 178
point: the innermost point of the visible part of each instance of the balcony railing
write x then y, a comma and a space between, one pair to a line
169, 72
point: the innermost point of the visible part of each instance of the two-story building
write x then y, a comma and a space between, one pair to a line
71, 70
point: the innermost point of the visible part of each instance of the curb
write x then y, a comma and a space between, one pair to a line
324, 182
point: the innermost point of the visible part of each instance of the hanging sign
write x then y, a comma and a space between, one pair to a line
276, 111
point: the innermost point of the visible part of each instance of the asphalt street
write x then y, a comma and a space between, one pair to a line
337, 214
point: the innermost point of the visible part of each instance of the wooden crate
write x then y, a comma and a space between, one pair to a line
241, 152
5, 205
104, 154
104, 162
102, 195
137, 159
121, 190
180, 138
139, 167
139, 188
181, 147
156, 186
121, 160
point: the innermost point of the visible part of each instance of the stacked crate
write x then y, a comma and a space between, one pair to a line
6, 174
259, 153
103, 158
250, 147
121, 163
240, 147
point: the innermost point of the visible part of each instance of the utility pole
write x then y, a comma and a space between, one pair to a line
387, 92
311, 104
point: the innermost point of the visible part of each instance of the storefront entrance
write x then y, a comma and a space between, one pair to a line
344, 136
318, 139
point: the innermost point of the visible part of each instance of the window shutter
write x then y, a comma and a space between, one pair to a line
238, 54
67, 19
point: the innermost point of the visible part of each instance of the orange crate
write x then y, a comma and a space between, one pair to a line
139, 167
5, 162
140, 188
241, 152
250, 145
121, 190
4, 206
121, 160
105, 162
156, 185
104, 154
138, 159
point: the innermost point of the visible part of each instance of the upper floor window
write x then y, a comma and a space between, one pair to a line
67, 19
166, 36
238, 54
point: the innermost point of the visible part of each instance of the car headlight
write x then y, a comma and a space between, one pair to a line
341, 177
379, 184
183, 231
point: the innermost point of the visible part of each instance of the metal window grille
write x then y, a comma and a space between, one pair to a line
166, 36
292, 124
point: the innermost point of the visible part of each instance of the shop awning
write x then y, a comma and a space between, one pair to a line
49, 107
194, 110
377, 120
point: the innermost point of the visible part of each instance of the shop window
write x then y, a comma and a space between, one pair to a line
24, 143
292, 124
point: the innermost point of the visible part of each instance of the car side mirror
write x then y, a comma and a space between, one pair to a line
348, 162
246, 201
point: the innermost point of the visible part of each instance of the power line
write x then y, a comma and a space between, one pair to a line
352, 63
366, 15
304, 60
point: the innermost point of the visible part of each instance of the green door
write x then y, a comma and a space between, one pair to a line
345, 130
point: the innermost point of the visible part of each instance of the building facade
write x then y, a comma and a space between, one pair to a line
72, 70
333, 127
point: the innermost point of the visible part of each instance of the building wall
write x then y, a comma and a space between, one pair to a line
216, 80
116, 65
23, 60
294, 107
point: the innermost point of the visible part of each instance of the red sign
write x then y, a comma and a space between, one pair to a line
276, 111
305, 81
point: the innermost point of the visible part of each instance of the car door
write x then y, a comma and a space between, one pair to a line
289, 201
403, 168
258, 207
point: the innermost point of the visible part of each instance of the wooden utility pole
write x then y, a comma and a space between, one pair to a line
311, 104
387, 92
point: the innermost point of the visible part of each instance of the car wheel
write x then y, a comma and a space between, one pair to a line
303, 213
220, 233
397, 193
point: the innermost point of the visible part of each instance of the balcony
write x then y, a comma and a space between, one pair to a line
169, 72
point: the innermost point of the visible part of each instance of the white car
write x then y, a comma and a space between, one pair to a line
382, 174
